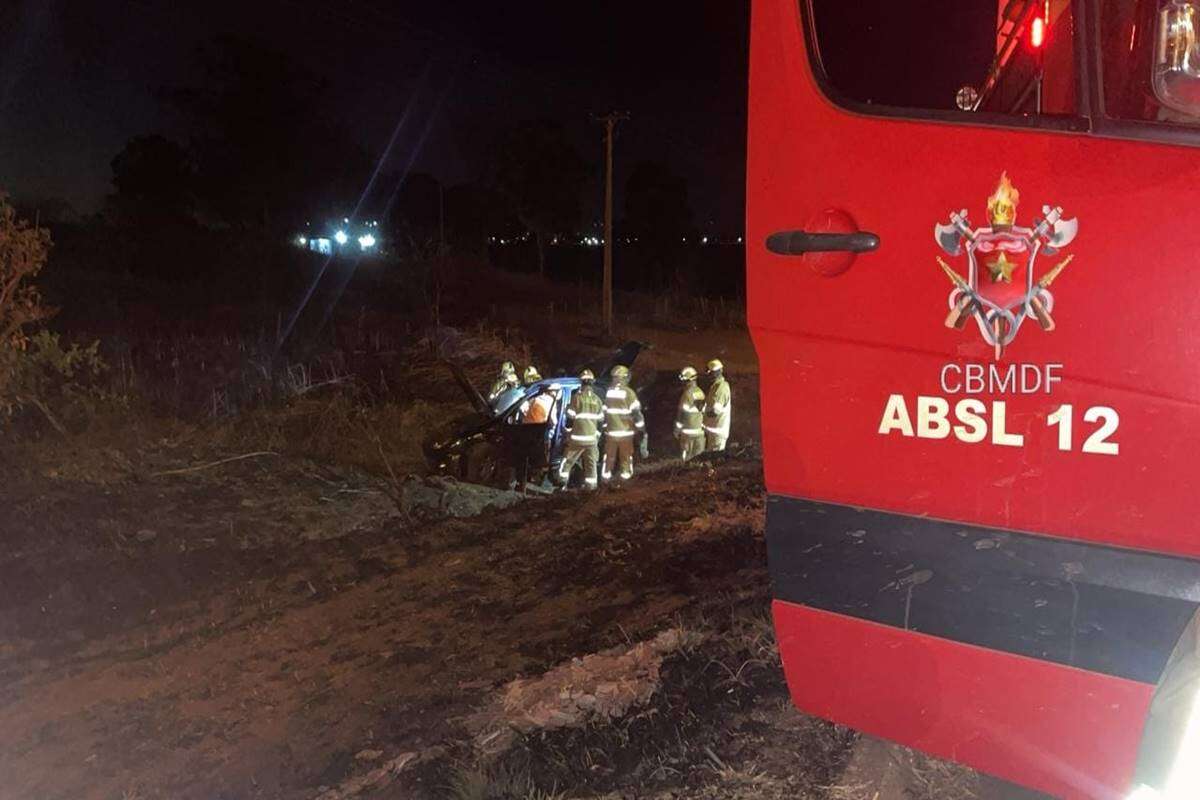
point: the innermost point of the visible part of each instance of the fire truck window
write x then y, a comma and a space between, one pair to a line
950, 54
1127, 41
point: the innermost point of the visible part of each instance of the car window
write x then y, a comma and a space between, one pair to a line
1016, 58
1129, 40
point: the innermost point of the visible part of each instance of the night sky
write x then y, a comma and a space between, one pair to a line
80, 77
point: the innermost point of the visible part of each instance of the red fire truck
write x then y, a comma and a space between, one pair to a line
973, 281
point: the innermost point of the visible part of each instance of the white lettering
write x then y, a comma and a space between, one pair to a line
945, 386
931, 418
970, 423
895, 417
1028, 385
1051, 377
999, 378
974, 427
974, 384
1062, 418
999, 384
1098, 441
999, 434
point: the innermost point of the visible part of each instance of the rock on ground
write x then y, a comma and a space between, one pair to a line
437, 497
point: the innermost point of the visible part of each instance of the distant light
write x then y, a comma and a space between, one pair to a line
302, 240
685, 240
703, 240
340, 237
1037, 32
366, 241
346, 220
739, 240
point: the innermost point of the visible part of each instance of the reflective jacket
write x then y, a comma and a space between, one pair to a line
584, 415
537, 410
717, 407
688, 415
622, 412
498, 388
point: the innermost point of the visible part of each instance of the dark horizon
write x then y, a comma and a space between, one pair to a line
79, 80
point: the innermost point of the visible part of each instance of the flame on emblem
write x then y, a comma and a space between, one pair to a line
1002, 205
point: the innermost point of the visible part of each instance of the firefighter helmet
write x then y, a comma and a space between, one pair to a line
687, 374
532, 375
587, 376
507, 368
620, 373
715, 365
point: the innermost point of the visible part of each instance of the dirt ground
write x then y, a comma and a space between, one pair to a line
245, 630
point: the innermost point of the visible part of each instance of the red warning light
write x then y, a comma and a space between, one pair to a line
1037, 32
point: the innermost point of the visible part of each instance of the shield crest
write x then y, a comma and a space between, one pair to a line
1001, 267
1002, 288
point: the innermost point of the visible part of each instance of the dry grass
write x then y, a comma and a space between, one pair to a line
934, 779
382, 439
726, 516
469, 782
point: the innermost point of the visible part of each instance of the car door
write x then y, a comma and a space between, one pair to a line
1022, 373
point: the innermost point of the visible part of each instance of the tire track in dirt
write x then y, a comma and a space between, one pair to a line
265, 679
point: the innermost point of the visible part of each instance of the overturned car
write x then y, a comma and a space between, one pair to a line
498, 443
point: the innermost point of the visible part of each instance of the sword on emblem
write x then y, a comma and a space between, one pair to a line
958, 315
1035, 301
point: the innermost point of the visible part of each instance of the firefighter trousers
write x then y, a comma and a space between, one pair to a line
715, 440
690, 446
618, 457
588, 455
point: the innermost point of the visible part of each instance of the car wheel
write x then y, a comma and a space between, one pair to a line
483, 463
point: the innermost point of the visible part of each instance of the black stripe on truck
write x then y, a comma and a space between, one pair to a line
1105, 609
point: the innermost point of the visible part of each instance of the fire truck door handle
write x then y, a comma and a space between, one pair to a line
797, 243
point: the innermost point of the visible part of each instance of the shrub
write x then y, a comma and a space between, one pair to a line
23, 251
61, 382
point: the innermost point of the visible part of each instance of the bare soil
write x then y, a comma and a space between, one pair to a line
246, 630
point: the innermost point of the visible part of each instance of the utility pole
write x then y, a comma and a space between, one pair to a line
441, 218
610, 121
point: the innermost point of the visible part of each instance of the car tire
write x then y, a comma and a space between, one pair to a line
482, 464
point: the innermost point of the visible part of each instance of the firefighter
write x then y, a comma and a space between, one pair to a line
689, 430
506, 381
585, 413
622, 420
716, 408
536, 410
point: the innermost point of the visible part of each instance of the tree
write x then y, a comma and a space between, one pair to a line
658, 217
154, 181
23, 251
541, 176
417, 212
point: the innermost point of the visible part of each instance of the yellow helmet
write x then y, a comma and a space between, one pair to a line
687, 374
587, 376
532, 375
620, 373
507, 368
715, 365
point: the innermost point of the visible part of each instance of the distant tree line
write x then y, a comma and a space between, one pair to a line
260, 154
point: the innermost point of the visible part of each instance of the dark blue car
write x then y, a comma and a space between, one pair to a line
494, 445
